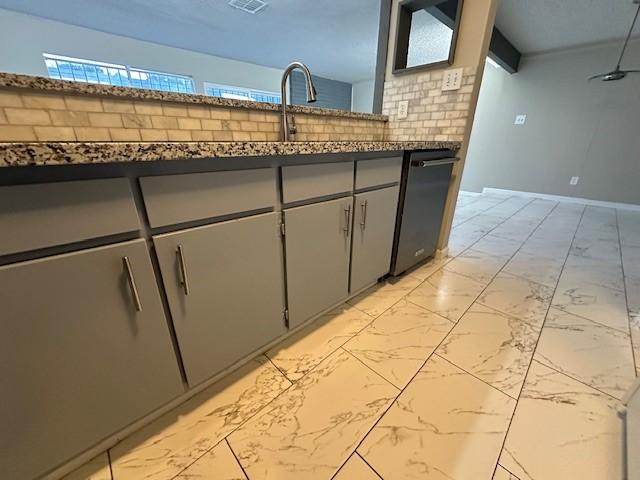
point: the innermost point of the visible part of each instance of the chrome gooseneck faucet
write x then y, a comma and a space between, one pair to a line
287, 125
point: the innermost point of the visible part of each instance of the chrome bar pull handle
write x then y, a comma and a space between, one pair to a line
363, 223
184, 281
347, 217
132, 284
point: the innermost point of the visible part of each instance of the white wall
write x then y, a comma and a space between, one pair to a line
573, 128
362, 96
23, 39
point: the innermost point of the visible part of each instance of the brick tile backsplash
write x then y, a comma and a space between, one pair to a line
432, 113
50, 116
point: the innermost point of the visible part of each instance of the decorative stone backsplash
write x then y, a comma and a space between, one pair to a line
432, 114
28, 115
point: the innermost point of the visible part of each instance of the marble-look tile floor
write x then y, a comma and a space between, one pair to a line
505, 360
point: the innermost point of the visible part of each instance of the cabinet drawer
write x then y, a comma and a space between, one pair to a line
173, 199
300, 182
48, 214
371, 173
80, 362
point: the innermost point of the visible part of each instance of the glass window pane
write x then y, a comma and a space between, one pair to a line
81, 70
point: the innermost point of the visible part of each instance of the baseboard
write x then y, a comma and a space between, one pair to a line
561, 198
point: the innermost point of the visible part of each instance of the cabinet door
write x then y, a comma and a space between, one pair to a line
79, 362
374, 222
233, 301
318, 239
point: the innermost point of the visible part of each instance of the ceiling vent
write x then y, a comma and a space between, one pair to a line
249, 6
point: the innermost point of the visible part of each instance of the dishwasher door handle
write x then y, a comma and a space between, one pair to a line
433, 163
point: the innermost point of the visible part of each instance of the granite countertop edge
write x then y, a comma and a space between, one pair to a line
77, 153
40, 84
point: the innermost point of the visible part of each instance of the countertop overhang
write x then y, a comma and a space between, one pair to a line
71, 153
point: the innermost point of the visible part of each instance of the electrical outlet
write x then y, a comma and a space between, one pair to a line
574, 181
520, 119
452, 79
403, 109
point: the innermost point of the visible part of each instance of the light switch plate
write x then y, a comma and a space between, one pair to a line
403, 109
574, 181
520, 119
452, 79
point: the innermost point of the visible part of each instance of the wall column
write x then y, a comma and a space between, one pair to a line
437, 115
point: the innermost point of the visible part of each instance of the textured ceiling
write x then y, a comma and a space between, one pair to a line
535, 26
336, 38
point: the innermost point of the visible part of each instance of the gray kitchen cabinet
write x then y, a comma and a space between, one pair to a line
302, 182
85, 352
374, 221
318, 240
44, 215
225, 287
174, 199
381, 171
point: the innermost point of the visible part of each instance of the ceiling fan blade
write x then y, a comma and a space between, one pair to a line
631, 71
597, 76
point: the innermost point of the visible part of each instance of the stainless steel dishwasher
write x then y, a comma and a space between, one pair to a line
423, 192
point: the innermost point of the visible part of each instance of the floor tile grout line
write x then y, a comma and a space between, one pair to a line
480, 294
507, 470
109, 460
240, 425
370, 466
493, 387
264, 408
486, 199
362, 311
582, 317
293, 383
466, 275
487, 286
435, 349
510, 315
483, 236
535, 348
498, 273
443, 339
505, 221
582, 382
396, 398
626, 295
198, 459
369, 368
453, 323
373, 319
276, 367
486, 210
226, 440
